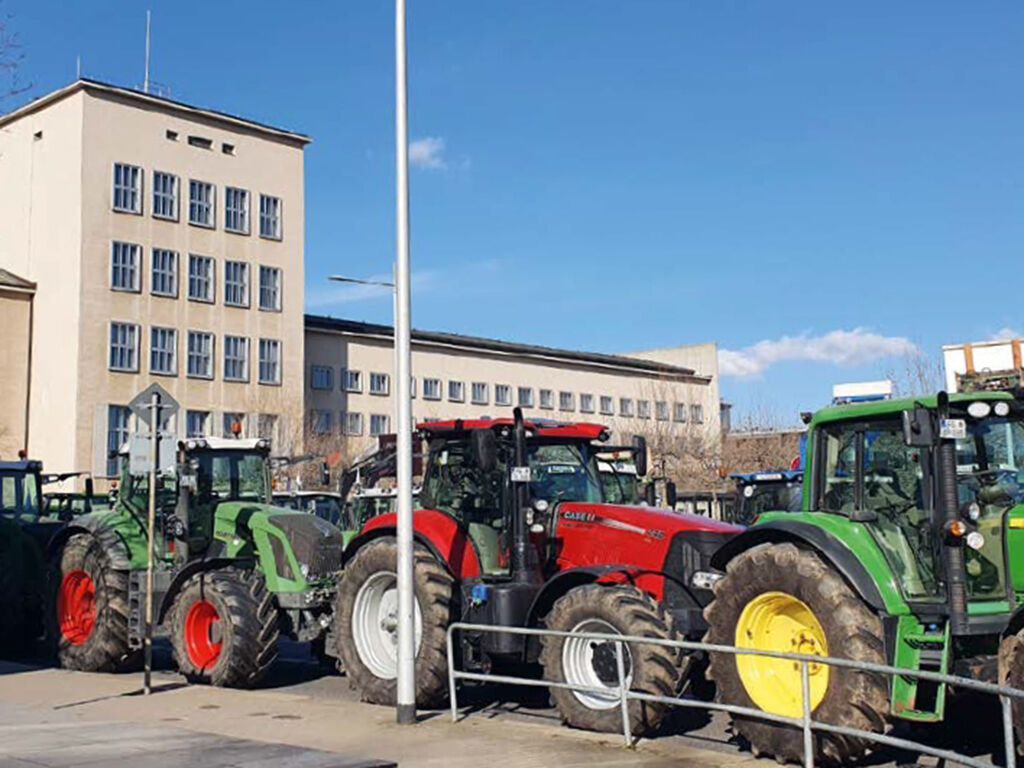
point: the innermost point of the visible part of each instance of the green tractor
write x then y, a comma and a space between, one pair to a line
232, 572
908, 550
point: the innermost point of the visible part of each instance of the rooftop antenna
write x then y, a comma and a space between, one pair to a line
145, 82
78, 67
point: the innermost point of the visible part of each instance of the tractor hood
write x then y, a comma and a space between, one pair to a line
649, 521
294, 547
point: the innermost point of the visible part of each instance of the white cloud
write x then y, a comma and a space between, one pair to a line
836, 347
427, 153
1005, 334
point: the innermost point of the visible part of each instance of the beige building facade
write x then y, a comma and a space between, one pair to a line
166, 244
349, 388
16, 307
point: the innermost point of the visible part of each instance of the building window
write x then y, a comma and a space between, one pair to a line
643, 409
502, 394
431, 389
697, 413
270, 288
526, 397
353, 380
321, 422
229, 422
200, 203
124, 347
236, 283
124, 266
479, 393
117, 435
269, 361
352, 423
199, 364
322, 377
456, 391
547, 399
163, 351
236, 210
607, 405
587, 403
380, 424
196, 423
266, 426
626, 406
661, 410
200, 278
127, 188
163, 277
379, 383
679, 413
236, 358
270, 217
565, 401
165, 195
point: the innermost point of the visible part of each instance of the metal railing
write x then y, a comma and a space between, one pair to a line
805, 722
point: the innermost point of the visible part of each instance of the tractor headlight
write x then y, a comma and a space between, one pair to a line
972, 511
1001, 409
304, 570
975, 540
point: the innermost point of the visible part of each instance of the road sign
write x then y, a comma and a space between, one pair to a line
139, 453
141, 405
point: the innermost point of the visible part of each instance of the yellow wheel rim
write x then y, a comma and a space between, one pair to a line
775, 621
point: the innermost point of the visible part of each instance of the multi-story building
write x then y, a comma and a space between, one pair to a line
349, 391
166, 244
16, 299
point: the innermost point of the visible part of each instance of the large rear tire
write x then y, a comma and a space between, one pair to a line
224, 629
1011, 673
366, 624
652, 669
779, 597
89, 608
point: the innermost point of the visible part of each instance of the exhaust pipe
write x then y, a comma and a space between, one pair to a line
525, 560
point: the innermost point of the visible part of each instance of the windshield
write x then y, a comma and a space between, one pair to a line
989, 477
19, 494
232, 475
757, 498
561, 472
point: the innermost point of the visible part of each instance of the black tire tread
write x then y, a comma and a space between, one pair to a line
855, 699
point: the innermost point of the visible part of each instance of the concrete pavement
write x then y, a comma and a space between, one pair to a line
275, 720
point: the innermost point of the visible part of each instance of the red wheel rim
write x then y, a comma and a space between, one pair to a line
202, 634
76, 607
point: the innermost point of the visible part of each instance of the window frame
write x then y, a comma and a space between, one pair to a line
528, 400
228, 338
136, 250
431, 381
456, 391
627, 409
173, 334
387, 424
269, 344
346, 372
205, 419
345, 426
229, 284
211, 297
210, 357
278, 233
174, 196
244, 212
328, 369
138, 193
278, 293
377, 391
677, 409
503, 401
174, 272
212, 222
608, 410
589, 399
113, 447
566, 396
136, 346
324, 414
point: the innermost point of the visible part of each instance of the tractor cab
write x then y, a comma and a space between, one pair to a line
20, 490
619, 479
760, 492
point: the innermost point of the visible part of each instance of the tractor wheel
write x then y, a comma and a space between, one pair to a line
367, 630
1011, 673
654, 669
224, 628
781, 598
89, 608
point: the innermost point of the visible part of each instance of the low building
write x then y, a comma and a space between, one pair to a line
166, 244
16, 305
349, 392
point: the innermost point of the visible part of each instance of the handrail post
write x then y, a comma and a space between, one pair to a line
451, 676
620, 667
805, 698
1008, 745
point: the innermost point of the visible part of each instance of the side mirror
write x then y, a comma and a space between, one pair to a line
640, 454
485, 449
670, 494
918, 430
325, 473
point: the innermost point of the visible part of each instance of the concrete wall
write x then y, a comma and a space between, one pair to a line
15, 327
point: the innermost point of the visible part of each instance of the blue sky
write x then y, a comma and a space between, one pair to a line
808, 184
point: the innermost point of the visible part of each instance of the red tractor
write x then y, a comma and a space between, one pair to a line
514, 532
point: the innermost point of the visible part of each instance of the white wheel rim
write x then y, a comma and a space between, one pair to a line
578, 664
375, 624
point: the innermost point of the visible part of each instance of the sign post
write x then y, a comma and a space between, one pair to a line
155, 407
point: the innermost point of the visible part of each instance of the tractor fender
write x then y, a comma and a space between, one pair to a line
190, 570
438, 532
571, 578
830, 548
109, 538
1016, 623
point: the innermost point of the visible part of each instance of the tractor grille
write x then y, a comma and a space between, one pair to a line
316, 543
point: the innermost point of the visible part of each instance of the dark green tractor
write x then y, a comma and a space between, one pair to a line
908, 550
232, 572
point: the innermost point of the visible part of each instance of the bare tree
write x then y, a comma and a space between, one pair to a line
11, 57
916, 373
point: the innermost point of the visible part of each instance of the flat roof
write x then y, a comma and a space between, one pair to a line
375, 330
98, 87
